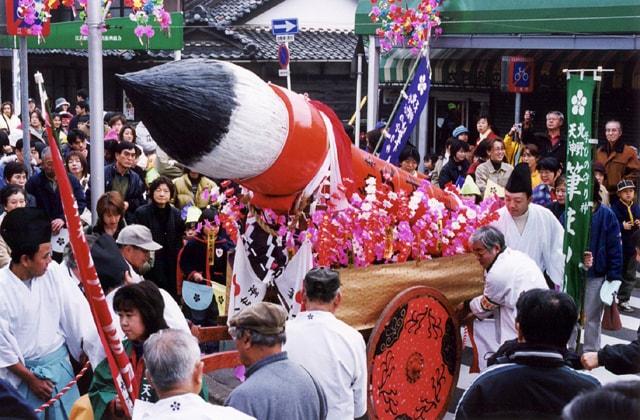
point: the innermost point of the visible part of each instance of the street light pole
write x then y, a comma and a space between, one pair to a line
24, 104
360, 55
96, 104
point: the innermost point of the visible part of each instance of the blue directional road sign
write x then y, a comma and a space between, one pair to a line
284, 26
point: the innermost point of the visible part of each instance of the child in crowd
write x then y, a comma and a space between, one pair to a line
530, 156
203, 265
628, 214
600, 174
560, 189
409, 159
544, 193
456, 169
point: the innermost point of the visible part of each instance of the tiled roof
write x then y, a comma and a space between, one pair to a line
252, 44
214, 31
123, 54
308, 45
231, 11
222, 12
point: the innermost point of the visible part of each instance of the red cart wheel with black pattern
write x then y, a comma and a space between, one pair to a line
413, 357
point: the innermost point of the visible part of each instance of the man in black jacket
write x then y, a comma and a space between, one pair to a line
120, 177
44, 187
620, 359
532, 380
553, 143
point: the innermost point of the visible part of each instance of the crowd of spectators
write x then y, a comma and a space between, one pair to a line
145, 247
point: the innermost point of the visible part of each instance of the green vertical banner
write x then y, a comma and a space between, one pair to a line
579, 185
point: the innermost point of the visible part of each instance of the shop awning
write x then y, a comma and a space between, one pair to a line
481, 68
525, 17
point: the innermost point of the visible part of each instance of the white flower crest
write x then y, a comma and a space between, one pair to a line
579, 101
422, 84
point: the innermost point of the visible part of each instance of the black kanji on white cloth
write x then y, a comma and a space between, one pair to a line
267, 254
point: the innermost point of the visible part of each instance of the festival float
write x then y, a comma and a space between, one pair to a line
310, 198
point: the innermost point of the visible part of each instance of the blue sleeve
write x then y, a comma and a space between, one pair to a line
136, 191
242, 401
78, 193
470, 405
614, 248
445, 176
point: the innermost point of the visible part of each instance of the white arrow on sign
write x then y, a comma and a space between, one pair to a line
287, 26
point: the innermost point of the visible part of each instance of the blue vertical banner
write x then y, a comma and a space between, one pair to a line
404, 121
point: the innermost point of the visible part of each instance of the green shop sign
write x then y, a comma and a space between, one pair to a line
119, 36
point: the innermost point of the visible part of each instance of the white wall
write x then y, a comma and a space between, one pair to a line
312, 14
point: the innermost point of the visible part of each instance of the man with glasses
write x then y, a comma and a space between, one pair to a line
553, 143
136, 245
120, 177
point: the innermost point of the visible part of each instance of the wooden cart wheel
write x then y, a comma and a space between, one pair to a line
413, 357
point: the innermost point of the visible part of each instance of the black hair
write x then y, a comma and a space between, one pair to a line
409, 152
84, 119
549, 164
596, 191
618, 400
74, 135
209, 213
456, 146
546, 317
448, 143
494, 141
318, 292
122, 146
127, 127
482, 150
28, 250
162, 180
84, 105
83, 93
20, 144
115, 118
81, 158
146, 298
533, 149
4, 138
9, 190
39, 114
12, 168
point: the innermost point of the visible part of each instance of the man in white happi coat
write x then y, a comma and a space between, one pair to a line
332, 351
172, 359
531, 228
508, 274
43, 315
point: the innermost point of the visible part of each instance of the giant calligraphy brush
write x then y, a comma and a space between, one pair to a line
223, 121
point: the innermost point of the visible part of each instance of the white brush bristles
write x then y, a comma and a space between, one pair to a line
257, 131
